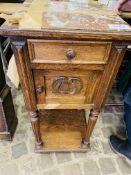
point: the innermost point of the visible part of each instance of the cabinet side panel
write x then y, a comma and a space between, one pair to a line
109, 74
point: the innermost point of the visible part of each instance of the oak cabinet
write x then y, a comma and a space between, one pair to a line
67, 60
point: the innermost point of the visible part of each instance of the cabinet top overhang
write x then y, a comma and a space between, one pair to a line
68, 19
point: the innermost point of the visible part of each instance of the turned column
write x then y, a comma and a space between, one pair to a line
90, 126
25, 74
34, 117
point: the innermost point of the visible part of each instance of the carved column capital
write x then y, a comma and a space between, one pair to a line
120, 48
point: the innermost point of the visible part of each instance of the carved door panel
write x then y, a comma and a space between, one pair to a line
62, 87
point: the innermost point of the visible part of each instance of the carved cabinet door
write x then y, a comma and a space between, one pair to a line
65, 87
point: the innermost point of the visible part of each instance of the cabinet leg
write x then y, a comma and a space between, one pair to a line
36, 129
90, 126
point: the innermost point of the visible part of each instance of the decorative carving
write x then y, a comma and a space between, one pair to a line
67, 85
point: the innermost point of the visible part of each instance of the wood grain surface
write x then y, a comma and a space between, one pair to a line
41, 51
62, 129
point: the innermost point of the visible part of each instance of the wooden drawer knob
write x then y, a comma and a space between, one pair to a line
70, 53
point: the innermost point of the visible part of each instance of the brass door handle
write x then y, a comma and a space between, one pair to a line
39, 89
70, 53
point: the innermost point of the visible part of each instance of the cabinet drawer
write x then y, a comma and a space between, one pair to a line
48, 51
61, 87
